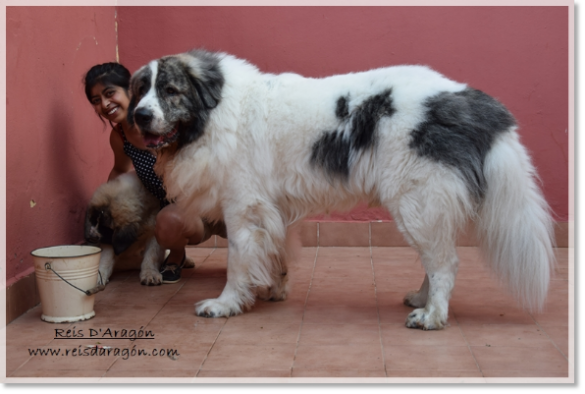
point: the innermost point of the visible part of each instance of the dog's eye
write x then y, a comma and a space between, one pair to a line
171, 91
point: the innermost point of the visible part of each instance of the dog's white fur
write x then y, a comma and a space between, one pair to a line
252, 168
127, 202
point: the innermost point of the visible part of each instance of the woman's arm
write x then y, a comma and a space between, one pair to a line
122, 163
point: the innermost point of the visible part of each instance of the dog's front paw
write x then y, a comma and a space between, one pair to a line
422, 318
415, 299
103, 277
150, 277
216, 308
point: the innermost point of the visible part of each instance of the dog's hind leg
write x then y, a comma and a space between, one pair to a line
429, 216
151, 261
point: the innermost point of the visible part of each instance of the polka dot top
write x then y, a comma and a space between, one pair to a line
143, 162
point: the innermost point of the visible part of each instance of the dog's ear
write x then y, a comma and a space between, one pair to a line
204, 74
208, 93
124, 237
91, 232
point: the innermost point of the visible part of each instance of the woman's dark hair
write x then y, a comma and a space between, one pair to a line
107, 74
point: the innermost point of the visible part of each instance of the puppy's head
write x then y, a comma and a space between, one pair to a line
98, 225
171, 97
116, 212
102, 227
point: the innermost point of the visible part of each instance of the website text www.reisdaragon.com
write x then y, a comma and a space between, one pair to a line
104, 351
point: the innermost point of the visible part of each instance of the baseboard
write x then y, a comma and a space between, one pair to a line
21, 296
377, 234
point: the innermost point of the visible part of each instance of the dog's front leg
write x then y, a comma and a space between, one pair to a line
256, 243
237, 294
107, 260
149, 269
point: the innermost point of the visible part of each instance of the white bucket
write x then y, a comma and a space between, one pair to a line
63, 275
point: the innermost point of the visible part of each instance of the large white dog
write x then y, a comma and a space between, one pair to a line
263, 151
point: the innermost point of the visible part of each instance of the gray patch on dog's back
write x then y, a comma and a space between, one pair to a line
342, 109
365, 119
459, 131
333, 151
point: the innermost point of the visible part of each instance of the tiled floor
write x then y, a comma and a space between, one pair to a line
344, 318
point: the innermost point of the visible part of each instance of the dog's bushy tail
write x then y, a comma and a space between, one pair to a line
515, 227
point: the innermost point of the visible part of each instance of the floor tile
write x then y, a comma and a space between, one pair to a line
557, 316
283, 312
406, 255
66, 373
32, 332
285, 373
228, 357
397, 334
430, 373
149, 373
466, 313
61, 360
520, 359
435, 358
192, 332
506, 373
342, 296
508, 335
183, 315
164, 357
337, 373
340, 334
341, 314
560, 337
16, 356
259, 334
339, 357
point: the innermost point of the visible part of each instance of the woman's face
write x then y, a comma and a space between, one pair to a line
110, 101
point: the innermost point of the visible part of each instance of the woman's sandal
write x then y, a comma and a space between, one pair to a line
171, 273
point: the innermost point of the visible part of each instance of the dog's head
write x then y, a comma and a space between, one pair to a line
118, 212
98, 225
101, 227
171, 97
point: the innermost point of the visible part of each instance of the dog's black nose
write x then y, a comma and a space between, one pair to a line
143, 117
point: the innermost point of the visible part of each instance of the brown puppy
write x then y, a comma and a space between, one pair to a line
120, 217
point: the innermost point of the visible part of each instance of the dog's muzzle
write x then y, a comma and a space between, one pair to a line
143, 118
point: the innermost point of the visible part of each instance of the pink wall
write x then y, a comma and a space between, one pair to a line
517, 54
57, 150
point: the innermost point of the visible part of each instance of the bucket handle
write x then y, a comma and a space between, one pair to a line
89, 292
